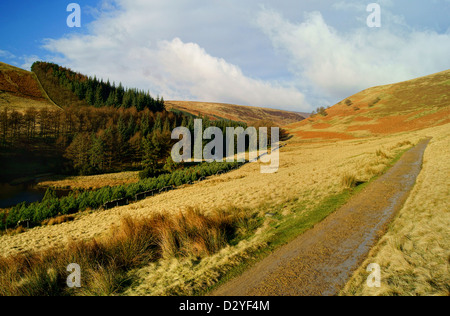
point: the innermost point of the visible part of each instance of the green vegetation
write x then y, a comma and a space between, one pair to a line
51, 206
374, 102
66, 87
320, 111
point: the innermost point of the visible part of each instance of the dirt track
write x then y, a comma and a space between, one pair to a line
320, 261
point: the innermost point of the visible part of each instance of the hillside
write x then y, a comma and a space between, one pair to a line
68, 88
246, 114
406, 106
20, 90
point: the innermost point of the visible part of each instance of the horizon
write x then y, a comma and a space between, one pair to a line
289, 55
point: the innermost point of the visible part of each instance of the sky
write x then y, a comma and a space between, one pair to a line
287, 54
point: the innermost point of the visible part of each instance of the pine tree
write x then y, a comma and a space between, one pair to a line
122, 127
90, 97
145, 124
158, 124
166, 127
111, 99
149, 155
97, 153
98, 96
127, 100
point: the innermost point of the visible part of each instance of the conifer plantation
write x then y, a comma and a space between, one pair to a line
100, 128
66, 87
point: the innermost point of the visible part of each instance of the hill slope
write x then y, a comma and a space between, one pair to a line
406, 106
246, 114
20, 89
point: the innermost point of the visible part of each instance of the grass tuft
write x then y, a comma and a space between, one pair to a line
350, 181
106, 263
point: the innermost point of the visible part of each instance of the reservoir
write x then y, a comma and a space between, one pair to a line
11, 195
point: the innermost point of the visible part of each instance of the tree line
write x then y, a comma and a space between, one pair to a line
99, 140
63, 84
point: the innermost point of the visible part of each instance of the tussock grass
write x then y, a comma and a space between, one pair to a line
58, 220
349, 181
382, 154
13, 232
404, 143
91, 182
106, 263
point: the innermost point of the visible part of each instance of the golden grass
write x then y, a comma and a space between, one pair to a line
349, 181
21, 104
415, 253
106, 263
58, 220
239, 113
406, 106
91, 182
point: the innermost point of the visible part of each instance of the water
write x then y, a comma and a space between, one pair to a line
11, 195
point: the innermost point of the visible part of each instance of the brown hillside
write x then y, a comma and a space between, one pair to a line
19, 89
246, 114
406, 106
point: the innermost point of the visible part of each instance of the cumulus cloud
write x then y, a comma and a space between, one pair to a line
337, 64
224, 50
121, 45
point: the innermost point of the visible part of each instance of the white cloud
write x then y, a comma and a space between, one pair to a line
193, 72
215, 51
6, 54
23, 62
338, 64
122, 46
27, 61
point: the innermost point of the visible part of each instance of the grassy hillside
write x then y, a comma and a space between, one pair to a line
246, 114
19, 89
406, 106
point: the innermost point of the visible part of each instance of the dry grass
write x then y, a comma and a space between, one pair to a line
58, 220
239, 113
349, 181
105, 263
382, 154
407, 106
415, 253
91, 182
21, 104
19, 90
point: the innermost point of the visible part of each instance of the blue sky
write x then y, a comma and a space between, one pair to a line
26, 23
287, 54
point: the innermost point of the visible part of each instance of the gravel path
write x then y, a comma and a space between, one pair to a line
321, 261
